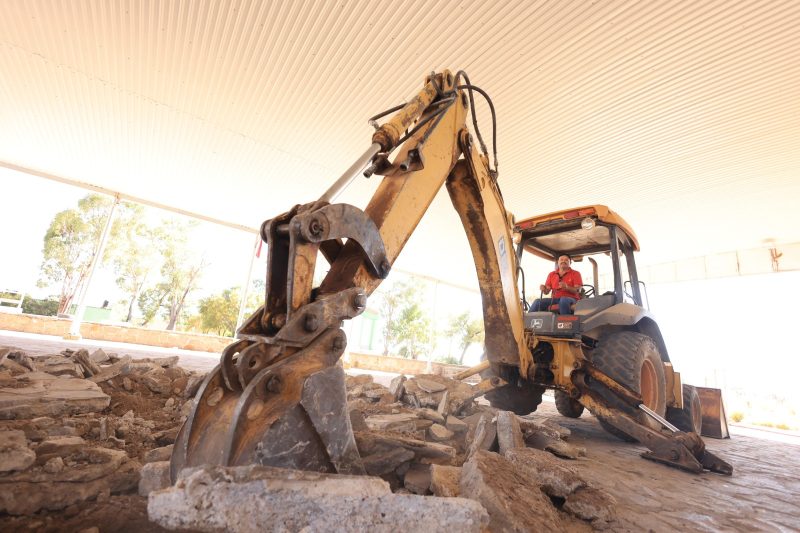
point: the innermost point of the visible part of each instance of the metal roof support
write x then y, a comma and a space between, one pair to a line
246, 288
75, 327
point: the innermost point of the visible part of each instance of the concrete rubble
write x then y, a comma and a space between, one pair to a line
78, 429
254, 499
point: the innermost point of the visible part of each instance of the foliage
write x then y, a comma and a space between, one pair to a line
179, 274
70, 243
136, 260
737, 416
412, 330
405, 322
43, 307
447, 359
467, 330
220, 311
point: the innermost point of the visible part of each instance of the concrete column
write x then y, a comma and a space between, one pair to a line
80, 309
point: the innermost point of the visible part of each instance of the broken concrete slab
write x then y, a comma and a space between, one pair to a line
544, 426
396, 387
418, 479
158, 454
383, 462
214, 499
456, 425
509, 435
401, 422
90, 366
589, 503
58, 365
325, 400
92, 472
99, 356
154, 476
42, 394
429, 385
445, 480
112, 371
430, 414
14, 452
553, 476
58, 447
370, 442
485, 435
565, 449
439, 433
513, 500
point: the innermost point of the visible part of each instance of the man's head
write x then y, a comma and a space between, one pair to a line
564, 262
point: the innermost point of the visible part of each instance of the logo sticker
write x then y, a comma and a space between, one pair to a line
537, 323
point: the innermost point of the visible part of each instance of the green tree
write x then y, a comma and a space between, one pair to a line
180, 274
43, 307
135, 262
70, 244
220, 311
396, 298
467, 330
412, 330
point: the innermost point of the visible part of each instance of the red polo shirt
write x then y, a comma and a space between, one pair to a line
570, 277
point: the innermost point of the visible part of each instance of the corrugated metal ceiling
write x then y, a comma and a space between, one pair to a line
681, 115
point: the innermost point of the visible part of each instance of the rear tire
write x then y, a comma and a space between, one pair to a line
567, 406
519, 396
633, 360
690, 418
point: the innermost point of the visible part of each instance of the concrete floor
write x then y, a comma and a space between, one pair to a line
47, 344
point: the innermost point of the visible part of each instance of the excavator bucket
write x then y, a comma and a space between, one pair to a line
290, 414
715, 422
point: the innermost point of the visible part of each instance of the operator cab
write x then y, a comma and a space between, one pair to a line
594, 234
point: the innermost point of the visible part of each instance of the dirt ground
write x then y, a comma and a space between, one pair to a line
760, 496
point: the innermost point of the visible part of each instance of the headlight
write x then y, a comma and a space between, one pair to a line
587, 223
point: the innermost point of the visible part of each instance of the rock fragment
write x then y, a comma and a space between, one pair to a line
514, 501
456, 425
445, 480
159, 454
565, 449
396, 388
550, 473
14, 452
592, 504
41, 394
439, 433
154, 476
418, 479
509, 435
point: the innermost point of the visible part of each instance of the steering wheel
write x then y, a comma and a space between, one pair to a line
587, 291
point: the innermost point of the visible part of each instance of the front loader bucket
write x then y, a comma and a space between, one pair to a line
715, 422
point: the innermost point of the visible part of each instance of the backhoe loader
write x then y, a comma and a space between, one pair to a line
277, 396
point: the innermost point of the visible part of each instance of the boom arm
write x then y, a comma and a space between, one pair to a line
425, 161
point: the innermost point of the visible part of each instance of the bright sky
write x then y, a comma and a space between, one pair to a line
29, 204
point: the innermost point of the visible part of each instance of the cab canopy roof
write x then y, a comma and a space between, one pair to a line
560, 233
